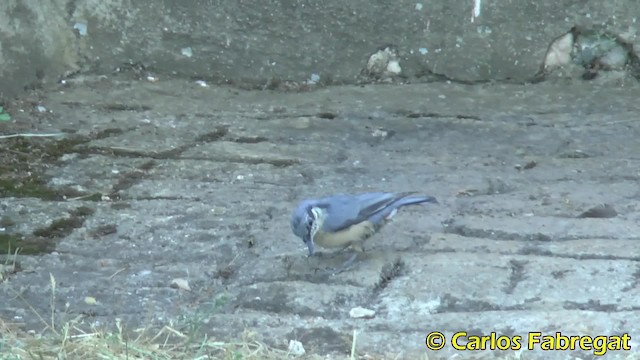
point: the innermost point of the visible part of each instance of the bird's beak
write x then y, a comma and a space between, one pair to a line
309, 241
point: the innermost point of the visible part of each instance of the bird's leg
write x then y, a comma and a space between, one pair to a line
342, 249
358, 247
342, 268
348, 264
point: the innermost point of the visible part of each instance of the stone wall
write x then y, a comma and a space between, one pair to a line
257, 42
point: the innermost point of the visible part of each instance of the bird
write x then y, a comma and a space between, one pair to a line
343, 220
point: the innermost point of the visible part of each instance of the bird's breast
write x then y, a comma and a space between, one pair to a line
350, 236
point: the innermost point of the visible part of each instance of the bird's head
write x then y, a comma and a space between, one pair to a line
306, 221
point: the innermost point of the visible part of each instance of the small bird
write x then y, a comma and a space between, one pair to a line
342, 221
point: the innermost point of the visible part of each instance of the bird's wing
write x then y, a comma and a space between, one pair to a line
345, 210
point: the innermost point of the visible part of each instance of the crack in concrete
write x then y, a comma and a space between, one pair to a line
280, 163
453, 304
388, 273
417, 115
635, 281
470, 232
516, 275
548, 253
591, 305
218, 134
467, 231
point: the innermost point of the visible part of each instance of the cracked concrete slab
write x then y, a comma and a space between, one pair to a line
199, 185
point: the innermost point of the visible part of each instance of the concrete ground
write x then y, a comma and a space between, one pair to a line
196, 186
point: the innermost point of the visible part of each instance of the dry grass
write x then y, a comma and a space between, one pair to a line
69, 340
73, 343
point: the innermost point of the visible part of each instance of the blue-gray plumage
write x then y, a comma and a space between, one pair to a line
348, 220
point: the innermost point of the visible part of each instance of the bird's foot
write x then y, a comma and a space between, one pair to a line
347, 265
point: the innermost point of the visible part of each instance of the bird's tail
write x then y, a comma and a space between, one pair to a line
413, 199
387, 208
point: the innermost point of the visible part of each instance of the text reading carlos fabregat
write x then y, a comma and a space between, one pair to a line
462, 341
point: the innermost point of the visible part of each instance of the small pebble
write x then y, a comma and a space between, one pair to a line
360, 312
296, 348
